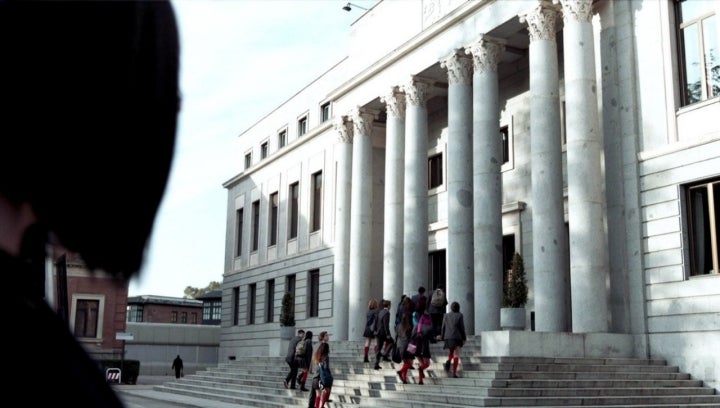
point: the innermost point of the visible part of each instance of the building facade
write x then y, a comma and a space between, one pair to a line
581, 134
164, 309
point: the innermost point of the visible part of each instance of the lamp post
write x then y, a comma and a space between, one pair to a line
348, 7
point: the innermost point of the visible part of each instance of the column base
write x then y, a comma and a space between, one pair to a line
517, 343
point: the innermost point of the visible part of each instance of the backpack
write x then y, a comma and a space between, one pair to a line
300, 349
438, 298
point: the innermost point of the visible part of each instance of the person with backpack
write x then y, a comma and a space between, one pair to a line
369, 332
437, 304
303, 357
290, 360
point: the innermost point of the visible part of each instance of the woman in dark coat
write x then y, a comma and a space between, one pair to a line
453, 332
303, 361
422, 332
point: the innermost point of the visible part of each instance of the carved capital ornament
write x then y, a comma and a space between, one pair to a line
541, 21
459, 68
486, 54
395, 101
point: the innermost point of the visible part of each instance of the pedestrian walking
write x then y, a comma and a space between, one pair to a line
289, 380
177, 365
369, 332
453, 332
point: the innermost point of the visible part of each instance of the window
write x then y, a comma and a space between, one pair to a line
302, 126
86, 318
270, 301
316, 221
282, 139
135, 313
436, 268
703, 223
174, 317
235, 308
435, 173
273, 219
216, 310
264, 150
505, 144
290, 284
193, 318
293, 210
239, 233
699, 54
248, 160
314, 293
183, 317
325, 112
255, 225
251, 303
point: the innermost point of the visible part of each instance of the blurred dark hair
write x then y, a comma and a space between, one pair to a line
88, 112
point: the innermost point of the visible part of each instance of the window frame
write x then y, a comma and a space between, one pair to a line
255, 243
282, 138
269, 300
325, 113
302, 125
313, 292
435, 171
99, 318
293, 210
252, 292
273, 214
697, 22
248, 160
711, 227
264, 149
316, 207
239, 226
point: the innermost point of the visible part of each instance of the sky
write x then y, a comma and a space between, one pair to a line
239, 60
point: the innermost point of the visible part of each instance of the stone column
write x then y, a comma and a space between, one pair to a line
394, 198
459, 164
341, 266
487, 184
415, 231
586, 199
360, 222
549, 239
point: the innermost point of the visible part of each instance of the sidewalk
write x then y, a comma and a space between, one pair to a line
144, 389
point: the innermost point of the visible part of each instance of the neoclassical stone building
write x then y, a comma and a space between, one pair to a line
582, 134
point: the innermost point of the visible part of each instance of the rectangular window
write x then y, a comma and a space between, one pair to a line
316, 221
290, 285
436, 268
136, 313
193, 318
174, 317
251, 303
239, 232
183, 317
282, 139
248, 160
325, 112
293, 210
302, 126
235, 308
314, 293
264, 150
703, 223
255, 225
86, 318
435, 171
216, 310
699, 54
273, 221
270, 301
505, 144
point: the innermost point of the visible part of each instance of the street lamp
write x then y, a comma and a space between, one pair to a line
348, 8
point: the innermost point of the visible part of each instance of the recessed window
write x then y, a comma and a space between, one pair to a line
505, 144
273, 221
282, 139
248, 160
314, 293
293, 218
302, 126
252, 291
255, 225
325, 112
174, 317
703, 223
698, 50
316, 221
435, 171
86, 318
135, 313
239, 215
269, 301
264, 150
183, 317
235, 308
193, 318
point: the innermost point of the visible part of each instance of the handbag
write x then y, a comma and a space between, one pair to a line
411, 348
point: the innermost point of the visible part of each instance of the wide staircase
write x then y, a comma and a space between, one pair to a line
482, 382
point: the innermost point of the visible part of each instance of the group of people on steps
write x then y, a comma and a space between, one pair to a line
300, 356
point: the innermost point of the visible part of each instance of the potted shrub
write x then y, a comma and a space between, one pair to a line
287, 317
515, 293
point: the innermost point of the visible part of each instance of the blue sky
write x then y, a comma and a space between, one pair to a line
239, 60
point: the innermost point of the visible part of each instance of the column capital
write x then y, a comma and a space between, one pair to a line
541, 21
343, 126
417, 91
576, 10
486, 53
459, 68
362, 119
395, 101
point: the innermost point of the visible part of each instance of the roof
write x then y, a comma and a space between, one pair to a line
213, 294
163, 300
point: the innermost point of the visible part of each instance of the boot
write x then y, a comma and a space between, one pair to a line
456, 361
365, 360
421, 375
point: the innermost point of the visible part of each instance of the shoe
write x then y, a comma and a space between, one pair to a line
455, 376
447, 365
285, 383
386, 358
377, 366
293, 388
303, 389
365, 360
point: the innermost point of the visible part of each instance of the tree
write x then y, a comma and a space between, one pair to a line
287, 310
191, 292
515, 290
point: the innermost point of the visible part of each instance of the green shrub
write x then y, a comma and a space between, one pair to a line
130, 369
287, 310
515, 290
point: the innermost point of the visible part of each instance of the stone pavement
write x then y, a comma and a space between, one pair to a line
144, 389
